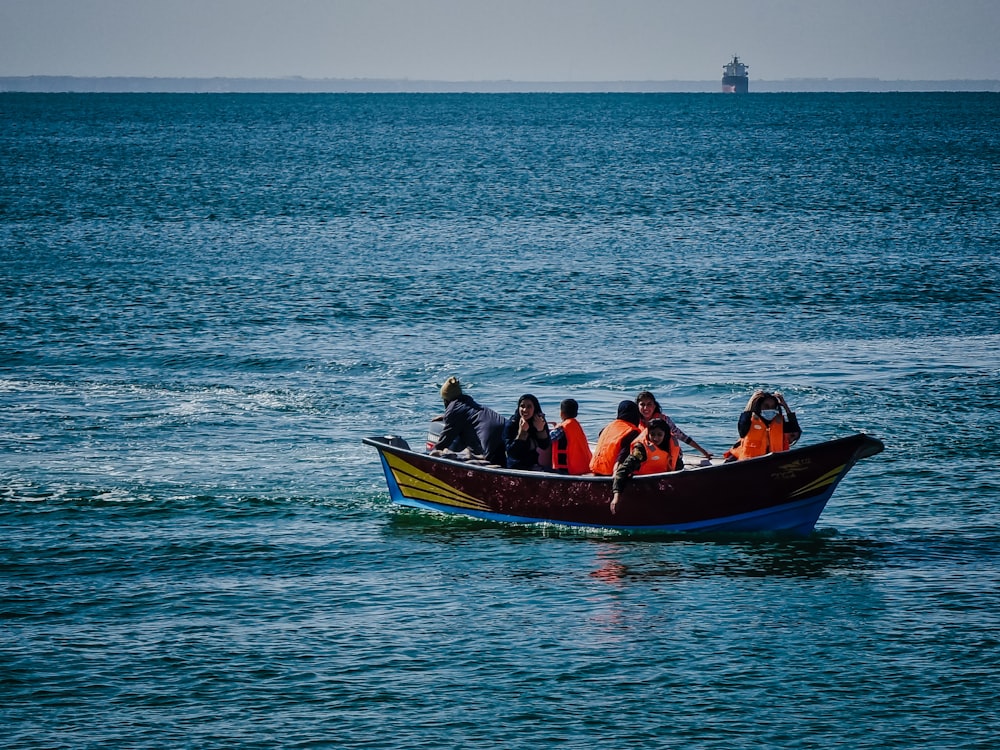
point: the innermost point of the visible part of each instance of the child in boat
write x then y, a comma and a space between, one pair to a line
655, 451
570, 449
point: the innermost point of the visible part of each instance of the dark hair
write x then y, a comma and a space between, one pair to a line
658, 424
569, 407
651, 397
533, 400
629, 412
763, 396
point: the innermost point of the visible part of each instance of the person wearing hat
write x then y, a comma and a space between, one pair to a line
470, 425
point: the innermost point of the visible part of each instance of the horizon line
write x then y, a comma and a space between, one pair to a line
46, 83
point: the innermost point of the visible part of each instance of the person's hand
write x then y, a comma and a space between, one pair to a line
781, 400
614, 503
522, 429
754, 398
538, 420
705, 453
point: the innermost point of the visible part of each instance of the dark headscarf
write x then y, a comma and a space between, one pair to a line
629, 411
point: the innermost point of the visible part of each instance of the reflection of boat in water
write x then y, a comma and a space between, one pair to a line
779, 492
735, 79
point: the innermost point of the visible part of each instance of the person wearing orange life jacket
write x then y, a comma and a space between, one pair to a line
649, 408
570, 449
615, 438
655, 451
763, 428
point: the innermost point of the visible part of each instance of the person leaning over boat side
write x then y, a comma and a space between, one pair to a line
526, 437
649, 408
470, 425
570, 449
763, 428
655, 451
616, 437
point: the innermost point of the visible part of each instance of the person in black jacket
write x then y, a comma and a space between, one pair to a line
470, 425
526, 437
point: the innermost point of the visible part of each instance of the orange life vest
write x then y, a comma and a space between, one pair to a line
574, 456
657, 460
609, 446
762, 438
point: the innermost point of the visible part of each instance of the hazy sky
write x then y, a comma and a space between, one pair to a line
526, 40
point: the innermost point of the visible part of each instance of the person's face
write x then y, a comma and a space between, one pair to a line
526, 409
647, 407
657, 435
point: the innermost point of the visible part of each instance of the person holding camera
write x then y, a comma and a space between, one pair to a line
767, 425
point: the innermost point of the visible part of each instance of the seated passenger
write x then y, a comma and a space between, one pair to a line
649, 408
614, 438
469, 425
655, 451
763, 428
570, 449
526, 437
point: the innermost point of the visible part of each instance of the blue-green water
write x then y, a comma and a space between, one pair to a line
208, 300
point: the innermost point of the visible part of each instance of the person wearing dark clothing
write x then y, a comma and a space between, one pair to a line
471, 425
526, 437
615, 438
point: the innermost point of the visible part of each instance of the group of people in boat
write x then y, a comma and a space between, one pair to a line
641, 439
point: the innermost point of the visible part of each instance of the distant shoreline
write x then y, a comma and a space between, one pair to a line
134, 84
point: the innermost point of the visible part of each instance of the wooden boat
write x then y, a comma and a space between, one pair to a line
783, 492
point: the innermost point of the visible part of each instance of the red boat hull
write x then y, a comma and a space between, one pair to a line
779, 492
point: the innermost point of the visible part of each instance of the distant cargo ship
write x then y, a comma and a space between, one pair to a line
734, 77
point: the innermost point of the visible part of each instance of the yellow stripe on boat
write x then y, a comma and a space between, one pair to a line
419, 485
824, 481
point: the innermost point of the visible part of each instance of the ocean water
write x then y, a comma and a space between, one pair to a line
208, 300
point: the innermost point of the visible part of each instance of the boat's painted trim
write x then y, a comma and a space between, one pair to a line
798, 518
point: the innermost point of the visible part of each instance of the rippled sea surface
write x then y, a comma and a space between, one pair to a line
208, 300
